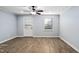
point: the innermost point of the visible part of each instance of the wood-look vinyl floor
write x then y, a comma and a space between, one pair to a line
36, 45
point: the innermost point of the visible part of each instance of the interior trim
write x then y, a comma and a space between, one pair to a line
75, 48
43, 37
8, 39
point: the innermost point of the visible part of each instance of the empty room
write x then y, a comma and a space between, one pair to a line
39, 29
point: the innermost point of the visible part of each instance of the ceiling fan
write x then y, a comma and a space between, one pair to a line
35, 10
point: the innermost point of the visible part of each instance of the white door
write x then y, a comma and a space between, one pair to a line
27, 25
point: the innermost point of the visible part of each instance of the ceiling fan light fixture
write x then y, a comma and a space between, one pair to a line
33, 13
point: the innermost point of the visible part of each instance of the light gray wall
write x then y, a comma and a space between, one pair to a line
20, 26
8, 27
69, 26
38, 25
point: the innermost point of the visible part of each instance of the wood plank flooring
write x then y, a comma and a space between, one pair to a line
36, 45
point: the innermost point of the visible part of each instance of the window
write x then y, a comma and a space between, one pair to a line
48, 23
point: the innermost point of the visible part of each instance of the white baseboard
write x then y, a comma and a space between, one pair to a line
20, 36
46, 36
24, 36
39, 36
8, 39
69, 44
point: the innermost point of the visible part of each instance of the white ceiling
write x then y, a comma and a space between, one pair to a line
21, 10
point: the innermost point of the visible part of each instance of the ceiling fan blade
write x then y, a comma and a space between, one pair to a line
34, 9
38, 13
39, 10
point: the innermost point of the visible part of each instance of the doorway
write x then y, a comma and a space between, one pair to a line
27, 21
